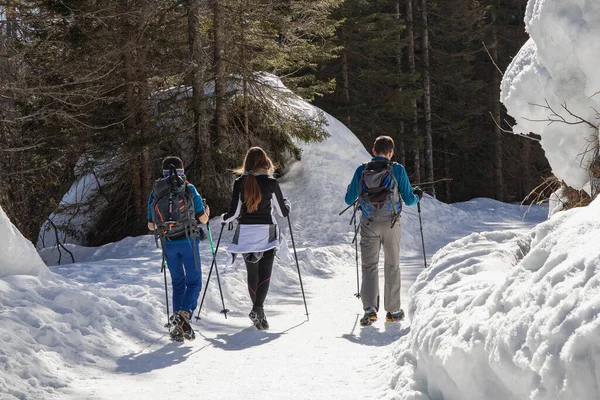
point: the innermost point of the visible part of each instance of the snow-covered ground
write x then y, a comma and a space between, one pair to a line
94, 329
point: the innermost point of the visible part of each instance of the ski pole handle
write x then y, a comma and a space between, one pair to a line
347, 208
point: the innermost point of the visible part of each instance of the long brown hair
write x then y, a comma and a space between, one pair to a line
255, 162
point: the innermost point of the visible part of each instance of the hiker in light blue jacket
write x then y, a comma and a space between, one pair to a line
379, 187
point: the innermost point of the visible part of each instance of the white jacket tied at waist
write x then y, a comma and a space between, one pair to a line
254, 239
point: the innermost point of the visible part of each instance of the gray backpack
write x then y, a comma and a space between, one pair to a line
173, 207
378, 192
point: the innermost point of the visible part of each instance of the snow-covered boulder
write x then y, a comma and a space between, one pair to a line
508, 315
555, 76
18, 254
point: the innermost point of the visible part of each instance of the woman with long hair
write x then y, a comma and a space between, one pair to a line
256, 194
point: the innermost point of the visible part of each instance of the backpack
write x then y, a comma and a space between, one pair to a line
173, 207
378, 192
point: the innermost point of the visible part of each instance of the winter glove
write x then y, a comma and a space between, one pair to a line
287, 204
223, 219
201, 234
418, 192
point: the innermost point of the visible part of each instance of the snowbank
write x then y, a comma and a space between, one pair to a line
18, 254
53, 328
557, 69
508, 315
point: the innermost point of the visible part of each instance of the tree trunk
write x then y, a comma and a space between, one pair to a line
346, 86
198, 64
410, 29
446, 161
130, 110
400, 122
416, 175
427, 100
498, 148
400, 143
197, 70
145, 128
219, 72
245, 80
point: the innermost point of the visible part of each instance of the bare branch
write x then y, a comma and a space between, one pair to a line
492, 58
23, 148
59, 244
564, 106
433, 182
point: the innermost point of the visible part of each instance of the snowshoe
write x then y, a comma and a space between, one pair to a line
257, 316
369, 317
264, 324
394, 317
253, 317
176, 335
181, 324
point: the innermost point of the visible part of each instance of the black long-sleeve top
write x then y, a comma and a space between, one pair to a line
271, 196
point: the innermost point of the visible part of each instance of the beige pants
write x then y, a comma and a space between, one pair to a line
374, 235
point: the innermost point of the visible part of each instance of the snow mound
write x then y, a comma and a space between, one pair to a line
557, 69
508, 315
18, 254
54, 327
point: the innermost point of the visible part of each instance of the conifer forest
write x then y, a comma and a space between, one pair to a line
109, 87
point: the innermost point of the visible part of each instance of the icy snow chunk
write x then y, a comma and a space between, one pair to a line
18, 254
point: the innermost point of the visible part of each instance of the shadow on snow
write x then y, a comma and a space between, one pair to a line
372, 336
172, 353
246, 338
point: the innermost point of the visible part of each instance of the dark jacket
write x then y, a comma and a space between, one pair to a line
271, 197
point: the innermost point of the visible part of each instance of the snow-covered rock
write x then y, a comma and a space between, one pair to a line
557, 69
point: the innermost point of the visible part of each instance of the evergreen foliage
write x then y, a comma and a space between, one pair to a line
110, 88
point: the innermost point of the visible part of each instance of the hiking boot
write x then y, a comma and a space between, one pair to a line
395, 316
369, 317
181, 322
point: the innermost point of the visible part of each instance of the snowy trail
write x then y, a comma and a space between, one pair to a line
97, 332
330, 356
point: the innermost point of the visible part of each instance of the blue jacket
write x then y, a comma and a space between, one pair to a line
198, 207
406, 191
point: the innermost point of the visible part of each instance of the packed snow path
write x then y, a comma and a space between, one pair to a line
330, 356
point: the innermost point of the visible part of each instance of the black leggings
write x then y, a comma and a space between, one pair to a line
259, 277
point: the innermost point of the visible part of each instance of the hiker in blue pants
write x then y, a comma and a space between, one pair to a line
180, 239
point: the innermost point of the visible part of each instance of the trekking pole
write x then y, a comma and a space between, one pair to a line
357, 294
210, 272
347, 208
422, 239
298, 267
224, 311
163, 269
